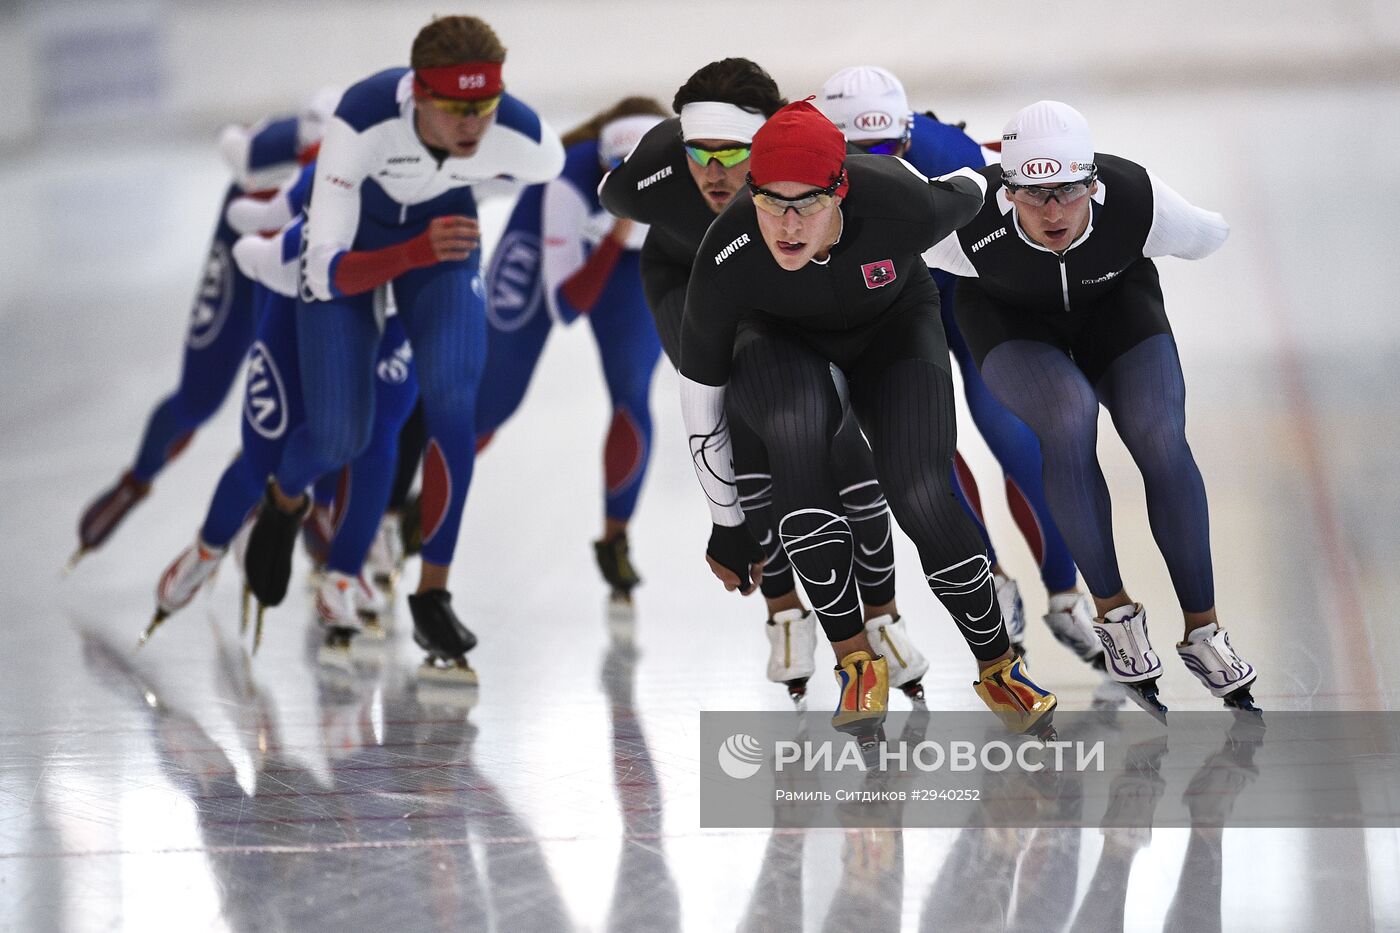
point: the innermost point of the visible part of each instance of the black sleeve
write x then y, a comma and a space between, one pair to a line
711, 320
635, 189
664, 281
952, 204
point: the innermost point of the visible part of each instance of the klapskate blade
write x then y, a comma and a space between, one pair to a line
1157, 710
156, 621
72, 562
454, 675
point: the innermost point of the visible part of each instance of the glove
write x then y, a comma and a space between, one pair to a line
733, 547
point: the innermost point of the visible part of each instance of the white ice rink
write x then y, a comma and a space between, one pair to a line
188, 786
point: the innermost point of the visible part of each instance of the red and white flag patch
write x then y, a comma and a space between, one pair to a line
878, 274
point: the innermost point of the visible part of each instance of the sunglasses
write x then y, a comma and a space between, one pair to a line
806, 205
482, 107
884, 146
729, 157
1039, 196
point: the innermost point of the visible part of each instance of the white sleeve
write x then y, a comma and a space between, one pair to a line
947, 254
236, 146
334, 213
256, 215
1179, 228
702, 407
260, 259
564, 215
543, 161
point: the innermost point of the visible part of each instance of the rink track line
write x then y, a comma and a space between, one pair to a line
453, 842
1356, 654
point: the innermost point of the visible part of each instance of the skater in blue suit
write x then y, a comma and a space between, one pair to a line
563, 257
393, 203
223, 315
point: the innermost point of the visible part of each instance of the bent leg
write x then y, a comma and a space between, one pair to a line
445, 318
1145, 392
364, 493
1043, 387
785, 394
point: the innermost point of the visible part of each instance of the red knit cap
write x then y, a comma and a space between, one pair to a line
798, 144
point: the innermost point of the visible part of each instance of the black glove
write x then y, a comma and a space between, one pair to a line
734, 548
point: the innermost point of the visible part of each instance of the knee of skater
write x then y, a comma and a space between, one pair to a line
794, 430
1156, 445
912, 495
342, 444
451, 399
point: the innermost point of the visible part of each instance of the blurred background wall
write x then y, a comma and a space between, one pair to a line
78, 66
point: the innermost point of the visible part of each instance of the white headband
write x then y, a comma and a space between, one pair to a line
709, 119
620, 137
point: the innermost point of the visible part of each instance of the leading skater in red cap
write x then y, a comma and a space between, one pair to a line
817, 264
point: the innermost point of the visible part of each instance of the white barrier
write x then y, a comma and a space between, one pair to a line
199, 63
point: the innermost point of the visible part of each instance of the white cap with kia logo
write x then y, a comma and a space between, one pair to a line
1046, 143
866, 102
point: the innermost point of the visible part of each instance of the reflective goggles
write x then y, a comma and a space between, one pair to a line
884, 146
1039, 196
729, 157
806, 205
481, 107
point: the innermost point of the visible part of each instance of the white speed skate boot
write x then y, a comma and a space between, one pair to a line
889, 636
338, 611
1129, 656
792, 643
384, 562
1207, 653
1013, 611
1071, 621
373, 606
181, 580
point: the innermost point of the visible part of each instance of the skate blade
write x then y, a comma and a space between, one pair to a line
258, 628
1044, 728
245, 614
72, 562
160, 616
914, 691
1146, 697
375, 630
1242, 701
448, 673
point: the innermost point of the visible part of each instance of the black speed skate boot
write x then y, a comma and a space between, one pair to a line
267, 565
438, 631
616, 566
105, 513
411, 525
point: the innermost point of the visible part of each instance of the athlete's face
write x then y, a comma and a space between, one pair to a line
795, 240
1052, 224
459, 135
716, 183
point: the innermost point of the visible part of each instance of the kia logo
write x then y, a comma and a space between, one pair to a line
873, 121
1039, 168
